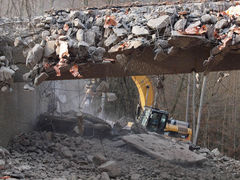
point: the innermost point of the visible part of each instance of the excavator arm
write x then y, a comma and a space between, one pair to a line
145, 90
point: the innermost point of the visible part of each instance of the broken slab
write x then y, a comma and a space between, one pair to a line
139, 31
34, 56
111, 167
159, 23
160, 147
49, 49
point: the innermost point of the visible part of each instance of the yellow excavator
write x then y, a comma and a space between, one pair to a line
156, 120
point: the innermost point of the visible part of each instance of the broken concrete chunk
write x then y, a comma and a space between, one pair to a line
77, 23
14, 67
18, 41
135, 177
159, 23
111, 97
40, 25
154, 145
206, 18
63, 38
111, 167
39, 79
49, 49
83, 49
160, 54
2, 164
120, 32
194, 24
107, 32
26, 76
80, 35
163, 43
216, 152
99, 159
237, 39
214, 19
90, 37
96, 53
65, 152
135, 43
28, 87
34, 56
99, 21
221, 24
180, 25
139, 31
45, 34
6, 73
63, 49
104, 176
74, 14
4, 89
110, 40
49, 19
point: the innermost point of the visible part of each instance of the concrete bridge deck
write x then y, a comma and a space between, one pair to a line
125, 41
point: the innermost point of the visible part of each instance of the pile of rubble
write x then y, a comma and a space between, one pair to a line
9, 30
7, 72
61, 40
71, 37
48, 155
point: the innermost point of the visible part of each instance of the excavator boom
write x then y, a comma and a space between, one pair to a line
145, 90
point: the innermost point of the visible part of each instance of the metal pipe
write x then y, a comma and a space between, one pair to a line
193, 104
200, 109
187, 103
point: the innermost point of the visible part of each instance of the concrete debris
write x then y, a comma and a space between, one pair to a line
80, 35
50, 49
111, 97
135, 177
113, 31
216, 152
159, 23
99, 159
139, 31
7, 72
207, 18
28, 87
104, 176
155, 145
35, 156
180, 25
120, 32
110, 40
34, 56
111, 167
221, 24
42, 77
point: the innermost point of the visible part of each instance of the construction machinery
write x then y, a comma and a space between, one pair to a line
156, 120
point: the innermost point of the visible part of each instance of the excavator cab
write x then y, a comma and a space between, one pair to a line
154, 120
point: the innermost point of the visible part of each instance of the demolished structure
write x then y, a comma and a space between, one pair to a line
134, 40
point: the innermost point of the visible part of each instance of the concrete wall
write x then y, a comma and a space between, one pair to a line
18, 112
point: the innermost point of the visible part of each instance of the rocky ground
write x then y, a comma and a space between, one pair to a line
47, 155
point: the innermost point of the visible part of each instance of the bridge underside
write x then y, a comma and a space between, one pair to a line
141, 62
